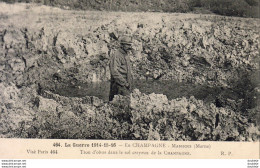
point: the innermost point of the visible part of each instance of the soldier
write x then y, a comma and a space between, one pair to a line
120, 69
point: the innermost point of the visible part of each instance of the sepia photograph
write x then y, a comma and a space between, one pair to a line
156, 70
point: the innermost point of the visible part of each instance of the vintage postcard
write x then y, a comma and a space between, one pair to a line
129, 79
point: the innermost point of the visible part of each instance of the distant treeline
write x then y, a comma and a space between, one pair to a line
242, 8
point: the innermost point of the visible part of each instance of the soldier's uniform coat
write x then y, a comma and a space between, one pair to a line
121, 75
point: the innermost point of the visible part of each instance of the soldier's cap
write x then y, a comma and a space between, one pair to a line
126, 40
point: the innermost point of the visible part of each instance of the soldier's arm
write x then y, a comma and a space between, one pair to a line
114, 64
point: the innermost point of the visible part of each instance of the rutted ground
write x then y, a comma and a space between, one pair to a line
45, 48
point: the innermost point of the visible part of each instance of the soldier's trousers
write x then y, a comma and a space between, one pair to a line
116, 89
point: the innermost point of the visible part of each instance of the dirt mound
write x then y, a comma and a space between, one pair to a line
201, 49
140, 117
